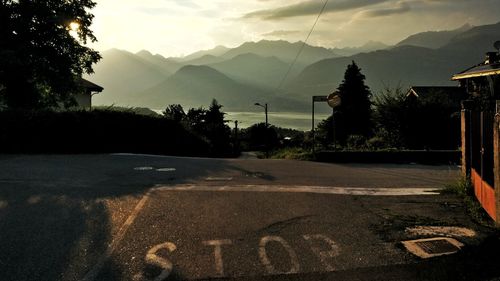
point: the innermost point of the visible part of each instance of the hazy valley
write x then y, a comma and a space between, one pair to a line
253, 72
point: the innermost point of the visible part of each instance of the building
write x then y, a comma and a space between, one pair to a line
481, 130
452, 95
84, 99
482, 80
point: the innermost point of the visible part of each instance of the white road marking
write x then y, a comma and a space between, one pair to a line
166, 170
165, 264
143, 168
219, 265
372, 191
324, 256
34, 199
92, 274
449, 231
218, 178
264, 259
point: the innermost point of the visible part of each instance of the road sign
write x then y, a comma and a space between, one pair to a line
333, 99
319, 98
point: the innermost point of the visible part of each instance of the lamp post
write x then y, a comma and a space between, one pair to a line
267, 126
265, 110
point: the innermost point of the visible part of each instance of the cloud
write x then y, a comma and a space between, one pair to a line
280, 33
311, 7
401, 8
187, 4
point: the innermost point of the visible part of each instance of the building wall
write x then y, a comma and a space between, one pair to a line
84, 100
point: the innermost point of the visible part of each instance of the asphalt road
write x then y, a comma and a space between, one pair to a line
138, 217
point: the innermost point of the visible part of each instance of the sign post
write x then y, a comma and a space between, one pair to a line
333, 101
315, 99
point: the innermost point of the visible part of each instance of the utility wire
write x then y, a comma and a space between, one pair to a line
302, 47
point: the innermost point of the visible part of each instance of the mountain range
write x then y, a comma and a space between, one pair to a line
255, 71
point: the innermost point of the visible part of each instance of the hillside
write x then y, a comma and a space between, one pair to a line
194, 86
216, 52
168, 65
402, 65
283, 50
204, 60
122, 74
369, 46
253, 69
433, 39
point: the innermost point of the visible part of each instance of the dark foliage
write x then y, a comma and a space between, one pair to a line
97, 131
40, 61
175, 112
418, 123
259, 137
353, 115
209, 124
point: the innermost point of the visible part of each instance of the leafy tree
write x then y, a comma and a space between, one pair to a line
218, 133
353, 115
426, 122
175, 112
41, 51
392, 116
211, 125
260, 137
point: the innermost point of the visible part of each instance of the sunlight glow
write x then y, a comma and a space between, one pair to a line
74, 26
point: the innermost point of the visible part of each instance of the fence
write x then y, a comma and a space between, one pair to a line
481, 155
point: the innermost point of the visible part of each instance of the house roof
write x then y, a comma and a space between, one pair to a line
452, 94
478, 71
90, 86
426, 91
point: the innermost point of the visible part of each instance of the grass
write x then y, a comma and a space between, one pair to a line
292, 153
464, 189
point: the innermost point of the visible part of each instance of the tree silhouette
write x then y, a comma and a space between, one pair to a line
42, 55
353, 115
175, 112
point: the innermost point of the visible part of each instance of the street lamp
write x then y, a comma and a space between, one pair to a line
265, 109
267, 126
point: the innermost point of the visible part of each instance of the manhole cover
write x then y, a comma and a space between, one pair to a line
437, 246
433, 247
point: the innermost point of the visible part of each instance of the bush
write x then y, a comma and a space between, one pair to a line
97, 131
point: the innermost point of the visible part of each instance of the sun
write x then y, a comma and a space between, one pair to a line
74, 26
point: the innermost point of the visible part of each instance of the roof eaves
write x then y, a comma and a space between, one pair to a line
466, 75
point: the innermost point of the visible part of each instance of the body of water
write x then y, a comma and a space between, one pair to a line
293, 120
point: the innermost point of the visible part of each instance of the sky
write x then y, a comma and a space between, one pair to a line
175, 28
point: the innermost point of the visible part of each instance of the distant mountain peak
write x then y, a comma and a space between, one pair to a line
144, 53
465, 27
434, 39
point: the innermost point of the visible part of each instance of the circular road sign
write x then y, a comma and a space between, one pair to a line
333, 99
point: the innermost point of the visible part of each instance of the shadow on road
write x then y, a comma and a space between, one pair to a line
58, 214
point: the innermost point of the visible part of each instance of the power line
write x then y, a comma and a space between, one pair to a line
302, 47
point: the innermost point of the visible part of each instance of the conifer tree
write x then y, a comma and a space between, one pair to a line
353, 115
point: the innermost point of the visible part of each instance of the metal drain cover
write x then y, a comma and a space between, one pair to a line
433, 247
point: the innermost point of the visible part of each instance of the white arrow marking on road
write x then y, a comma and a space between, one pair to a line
372, 191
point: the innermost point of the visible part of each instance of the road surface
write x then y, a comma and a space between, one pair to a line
140, 217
